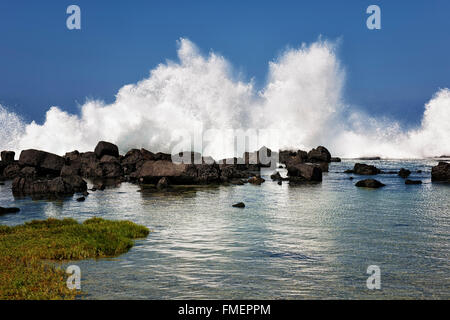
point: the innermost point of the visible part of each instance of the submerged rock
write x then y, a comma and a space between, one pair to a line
256, 180
441, 172
404, 173
276, 176
8, 210
239, 205
163, 183
369, 183
408, 181
81, 199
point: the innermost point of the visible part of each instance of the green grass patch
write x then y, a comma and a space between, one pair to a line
24, 273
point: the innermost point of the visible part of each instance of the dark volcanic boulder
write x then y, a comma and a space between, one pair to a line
207, 173
239, 205
404, 173
369, 183
163, 183
134, 159
319, 154
8, 156
322, 165
44, 162
76, 182
106, 148
276, 176
304, 171
11, 171
110, 167
28, 172
256, 180
8, 210
407, 181
335, 159
441, 172
45, 187
299, 156
365, 169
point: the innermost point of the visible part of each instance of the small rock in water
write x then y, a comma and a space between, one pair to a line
407, 181
369, 183
351, 178
280, 167
256, 180
419, 171
85, 193
94, 189
239, 205
275, 176
280, 182
404, 173
163, 183
8, 210
81, 199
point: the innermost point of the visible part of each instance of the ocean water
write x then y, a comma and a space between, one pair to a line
302, 242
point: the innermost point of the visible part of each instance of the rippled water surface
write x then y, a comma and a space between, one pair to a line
312, 241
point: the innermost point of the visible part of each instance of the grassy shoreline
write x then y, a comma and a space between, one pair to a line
24, 250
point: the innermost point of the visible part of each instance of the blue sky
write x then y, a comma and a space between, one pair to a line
390, 72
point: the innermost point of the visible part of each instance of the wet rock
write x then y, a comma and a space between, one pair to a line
163, 183
256, 180
322, 165
106, 148
109, 167
335, 159
81, 199
50, 187
280, 182
404, 173
365, 169
28, 172
85, 193
369, 158
369, 183
306, 172
44, 162
160, 156
276, 176
151, 171
441, 172
351, 178
239, 205
286, 156
11, 171
319, 154
76, 182
8, 156
408, 181
8, 210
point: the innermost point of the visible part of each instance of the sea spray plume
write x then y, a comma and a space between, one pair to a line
11, 129
302, 98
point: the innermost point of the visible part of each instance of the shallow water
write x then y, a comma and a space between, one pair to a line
311, 241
